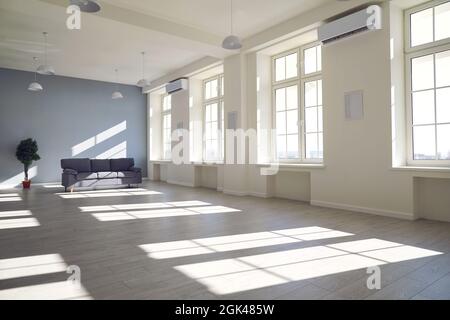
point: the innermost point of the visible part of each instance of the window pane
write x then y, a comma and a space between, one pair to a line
442, 21
443, 105
320, 145
310, 60
280, 99
214, 88
167, 102
311, 146
424, 143
422, 73
443, 69
291, 97
443, 141
311, 94
281, 123
211, 150
422, 27
280, 69
311, 119
292, 146
292, 121
281, 147
320, 120
214, 113
208, 90
291, 66
208, 132
319, 58
222, 87
214, 129
319, 94
423, 107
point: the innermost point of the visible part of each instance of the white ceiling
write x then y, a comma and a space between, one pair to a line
249, 16
172, 32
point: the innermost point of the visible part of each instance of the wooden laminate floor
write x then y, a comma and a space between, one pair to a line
169, 242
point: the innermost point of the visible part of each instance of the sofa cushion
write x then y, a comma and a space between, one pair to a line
107, 175
126, 174
78, 164
100, 165
121, 164
86, 176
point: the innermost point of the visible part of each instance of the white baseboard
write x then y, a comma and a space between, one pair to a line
235, 193
379, 212
181, 183
259, 194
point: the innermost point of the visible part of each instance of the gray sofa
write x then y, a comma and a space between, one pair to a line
94, 172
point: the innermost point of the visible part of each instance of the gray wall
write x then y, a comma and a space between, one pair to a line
68, 112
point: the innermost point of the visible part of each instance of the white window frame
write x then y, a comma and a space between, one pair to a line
416, 52
407, 19
163, 114
219, 99
299, 81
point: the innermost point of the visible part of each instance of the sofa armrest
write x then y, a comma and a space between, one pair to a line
70, 171
134, 169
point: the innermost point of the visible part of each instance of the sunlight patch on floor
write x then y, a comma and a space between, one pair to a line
30, 266
161, 213
108, 193
15, 219
15, 213
62, 290
150, 205
18, 223
174, 249
10, 199
257, 271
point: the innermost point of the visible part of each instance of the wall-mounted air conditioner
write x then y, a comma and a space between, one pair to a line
177, 85
364, 20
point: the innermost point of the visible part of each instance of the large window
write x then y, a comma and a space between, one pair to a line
297, 96
428, 61
213, 92
166, 127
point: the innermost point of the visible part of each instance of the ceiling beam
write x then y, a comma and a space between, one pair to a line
210, 43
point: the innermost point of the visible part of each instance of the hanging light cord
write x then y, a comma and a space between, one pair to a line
45, 48
143, 65
35, 69
231, 16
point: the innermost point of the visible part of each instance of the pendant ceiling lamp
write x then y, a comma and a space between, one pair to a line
45, 69
35, 86
231, 42
87, 5
143, 82
116, 94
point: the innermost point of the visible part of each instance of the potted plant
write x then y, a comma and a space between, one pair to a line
27, 153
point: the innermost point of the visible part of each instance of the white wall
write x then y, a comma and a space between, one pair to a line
358, 172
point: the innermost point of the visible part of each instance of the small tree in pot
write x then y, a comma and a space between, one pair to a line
27, 153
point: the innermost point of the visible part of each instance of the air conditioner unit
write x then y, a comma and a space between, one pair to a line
368, 19
177, 85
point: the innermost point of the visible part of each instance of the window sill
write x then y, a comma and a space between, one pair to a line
160, 161
207, 164
294, 165
422, 169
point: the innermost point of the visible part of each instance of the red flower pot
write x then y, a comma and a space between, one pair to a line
26, 184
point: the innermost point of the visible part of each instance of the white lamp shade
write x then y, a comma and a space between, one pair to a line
46, 70
116, 95
86, 5
35, 86
231, 43
143, 83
